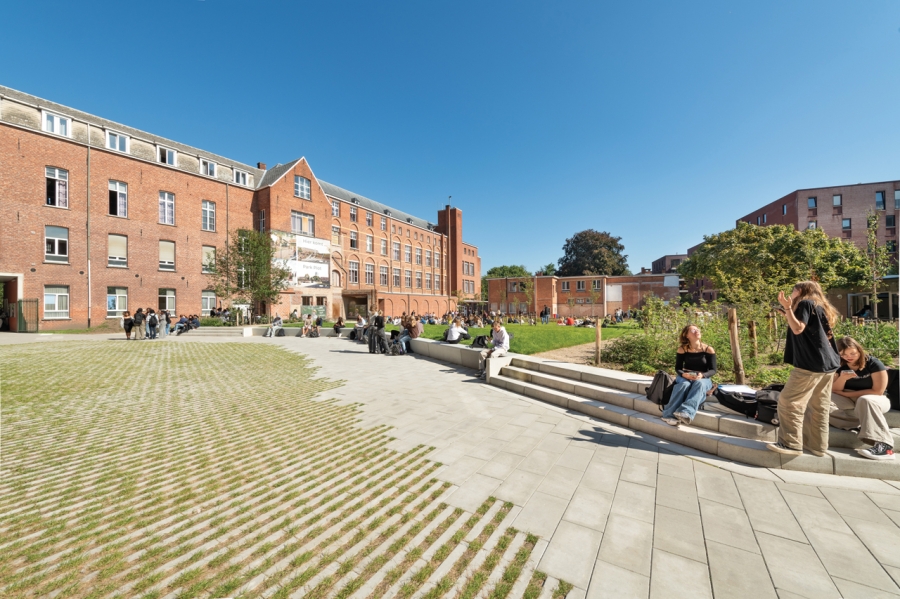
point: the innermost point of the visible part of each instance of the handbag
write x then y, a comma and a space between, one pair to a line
660, 389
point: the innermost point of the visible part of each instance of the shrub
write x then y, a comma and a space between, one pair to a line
211, 322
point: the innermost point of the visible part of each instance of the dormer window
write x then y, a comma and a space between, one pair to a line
117, 141
388, 212
208, 168
240, 177
60, 125
166, 155
301, 187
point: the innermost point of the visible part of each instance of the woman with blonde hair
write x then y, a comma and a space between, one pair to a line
809, 350
859, 400
695, 365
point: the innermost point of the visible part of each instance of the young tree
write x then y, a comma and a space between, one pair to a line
878, 258
592, 252
548, 270
528, 288
750, 264
246, 271
499, 272
594, 295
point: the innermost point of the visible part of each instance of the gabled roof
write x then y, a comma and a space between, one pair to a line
102, 123
369, 204
275, 173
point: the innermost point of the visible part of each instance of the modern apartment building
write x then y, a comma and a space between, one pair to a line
667, 264
99, 217
839, 211
578, 296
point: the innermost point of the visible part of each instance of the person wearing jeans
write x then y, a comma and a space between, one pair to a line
807, 394
500, 347
695, 365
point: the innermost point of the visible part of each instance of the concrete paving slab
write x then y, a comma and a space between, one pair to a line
716, 485
845, 556
613, 582
601, 477
676, 577
882, 541
795, 568
578, 458
539, 461
853, 590
680, 533
642, 472
541, 514
677, 493
627, 543
501, 465
855, 504
472, 493
736, 573
518, 487
767, 509
561, 482
727, 525
572, 553
589, 508
634, 501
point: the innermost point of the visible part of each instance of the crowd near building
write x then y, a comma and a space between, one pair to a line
99, 218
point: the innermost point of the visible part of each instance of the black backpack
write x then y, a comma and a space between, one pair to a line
313, 333
660, 389
480, 341
153, 320
893, 388
740, 403
352, 335
138, 318
767, 399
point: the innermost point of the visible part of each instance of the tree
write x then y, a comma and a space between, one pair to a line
878, 258
549, 270
528, 288
246, 271
750, 264
592, 252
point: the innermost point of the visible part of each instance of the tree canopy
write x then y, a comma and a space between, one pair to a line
246, 272
593, 252
751, 263
548, 270
499, 272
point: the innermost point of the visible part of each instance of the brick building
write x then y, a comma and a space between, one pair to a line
579, 296
100, 217
667, 264
838, 211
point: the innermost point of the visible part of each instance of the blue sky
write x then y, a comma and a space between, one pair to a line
658, 122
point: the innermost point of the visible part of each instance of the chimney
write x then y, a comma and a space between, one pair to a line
261, 166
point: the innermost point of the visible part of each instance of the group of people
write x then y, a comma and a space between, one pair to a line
150, 324
309, 325
818, 392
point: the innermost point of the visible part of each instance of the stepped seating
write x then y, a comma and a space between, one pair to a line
618, 397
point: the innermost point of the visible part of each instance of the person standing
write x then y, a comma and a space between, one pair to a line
809, 350
127, 323
138, 322
152, 323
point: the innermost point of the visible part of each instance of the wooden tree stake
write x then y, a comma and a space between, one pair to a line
597, 342
754, 350
735, 346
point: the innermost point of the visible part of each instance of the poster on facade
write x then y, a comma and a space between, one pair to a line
316, 311
307, 258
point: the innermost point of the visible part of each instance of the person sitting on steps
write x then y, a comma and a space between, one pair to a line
695, 363
500, 347
858, 399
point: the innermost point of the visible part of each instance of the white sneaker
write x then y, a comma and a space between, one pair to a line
671, 421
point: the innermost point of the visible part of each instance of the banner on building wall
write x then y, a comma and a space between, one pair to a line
308, 258
317, 311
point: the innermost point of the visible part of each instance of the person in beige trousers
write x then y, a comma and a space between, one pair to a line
859, 400
807, 393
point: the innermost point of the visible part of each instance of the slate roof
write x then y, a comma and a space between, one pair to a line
79, 115
275, 173
369, 204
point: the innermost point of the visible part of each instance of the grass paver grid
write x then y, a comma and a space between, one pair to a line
219, 469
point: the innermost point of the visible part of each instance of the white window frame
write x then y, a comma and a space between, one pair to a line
419, 256
370, 274
427, 257
407, 253
369, 220
204, 265
115, 141
811, 224
56, 313
335, 208
384, 247
418, 279
61, 187
407, 279
370, 244
353, 272
437, 260
57, 120
353, 213
166, 201
208, 215
437, 283
119, 188
166, 265
167, 305
59, 255
301, 189
565, 286
262, 221
168, 151
395, 246
428, 280
205, 297
595, 284
354, 240
383, 223
241, 177
579, 286
383, 276
119, 295
116, 261
396, 277
208, 168
307, 224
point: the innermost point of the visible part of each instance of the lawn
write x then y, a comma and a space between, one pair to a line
527, 339
189, 470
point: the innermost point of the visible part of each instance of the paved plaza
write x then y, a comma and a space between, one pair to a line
303, 468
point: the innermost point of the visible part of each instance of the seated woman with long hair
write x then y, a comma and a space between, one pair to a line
858, 399
695, 363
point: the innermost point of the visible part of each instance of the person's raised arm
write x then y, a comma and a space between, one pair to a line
797, 325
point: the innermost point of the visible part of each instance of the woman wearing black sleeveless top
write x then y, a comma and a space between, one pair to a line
695, 364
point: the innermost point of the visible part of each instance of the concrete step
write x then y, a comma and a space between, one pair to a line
613, 379
711, 420
215, 332
746, 450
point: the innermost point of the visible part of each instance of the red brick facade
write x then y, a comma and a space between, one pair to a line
579, 296
265, 199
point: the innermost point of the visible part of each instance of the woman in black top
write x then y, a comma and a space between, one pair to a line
858, 399
695, 364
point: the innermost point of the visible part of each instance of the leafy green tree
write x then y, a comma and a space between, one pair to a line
878, 258
547, 270
592, 252
750, 264
246, 272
